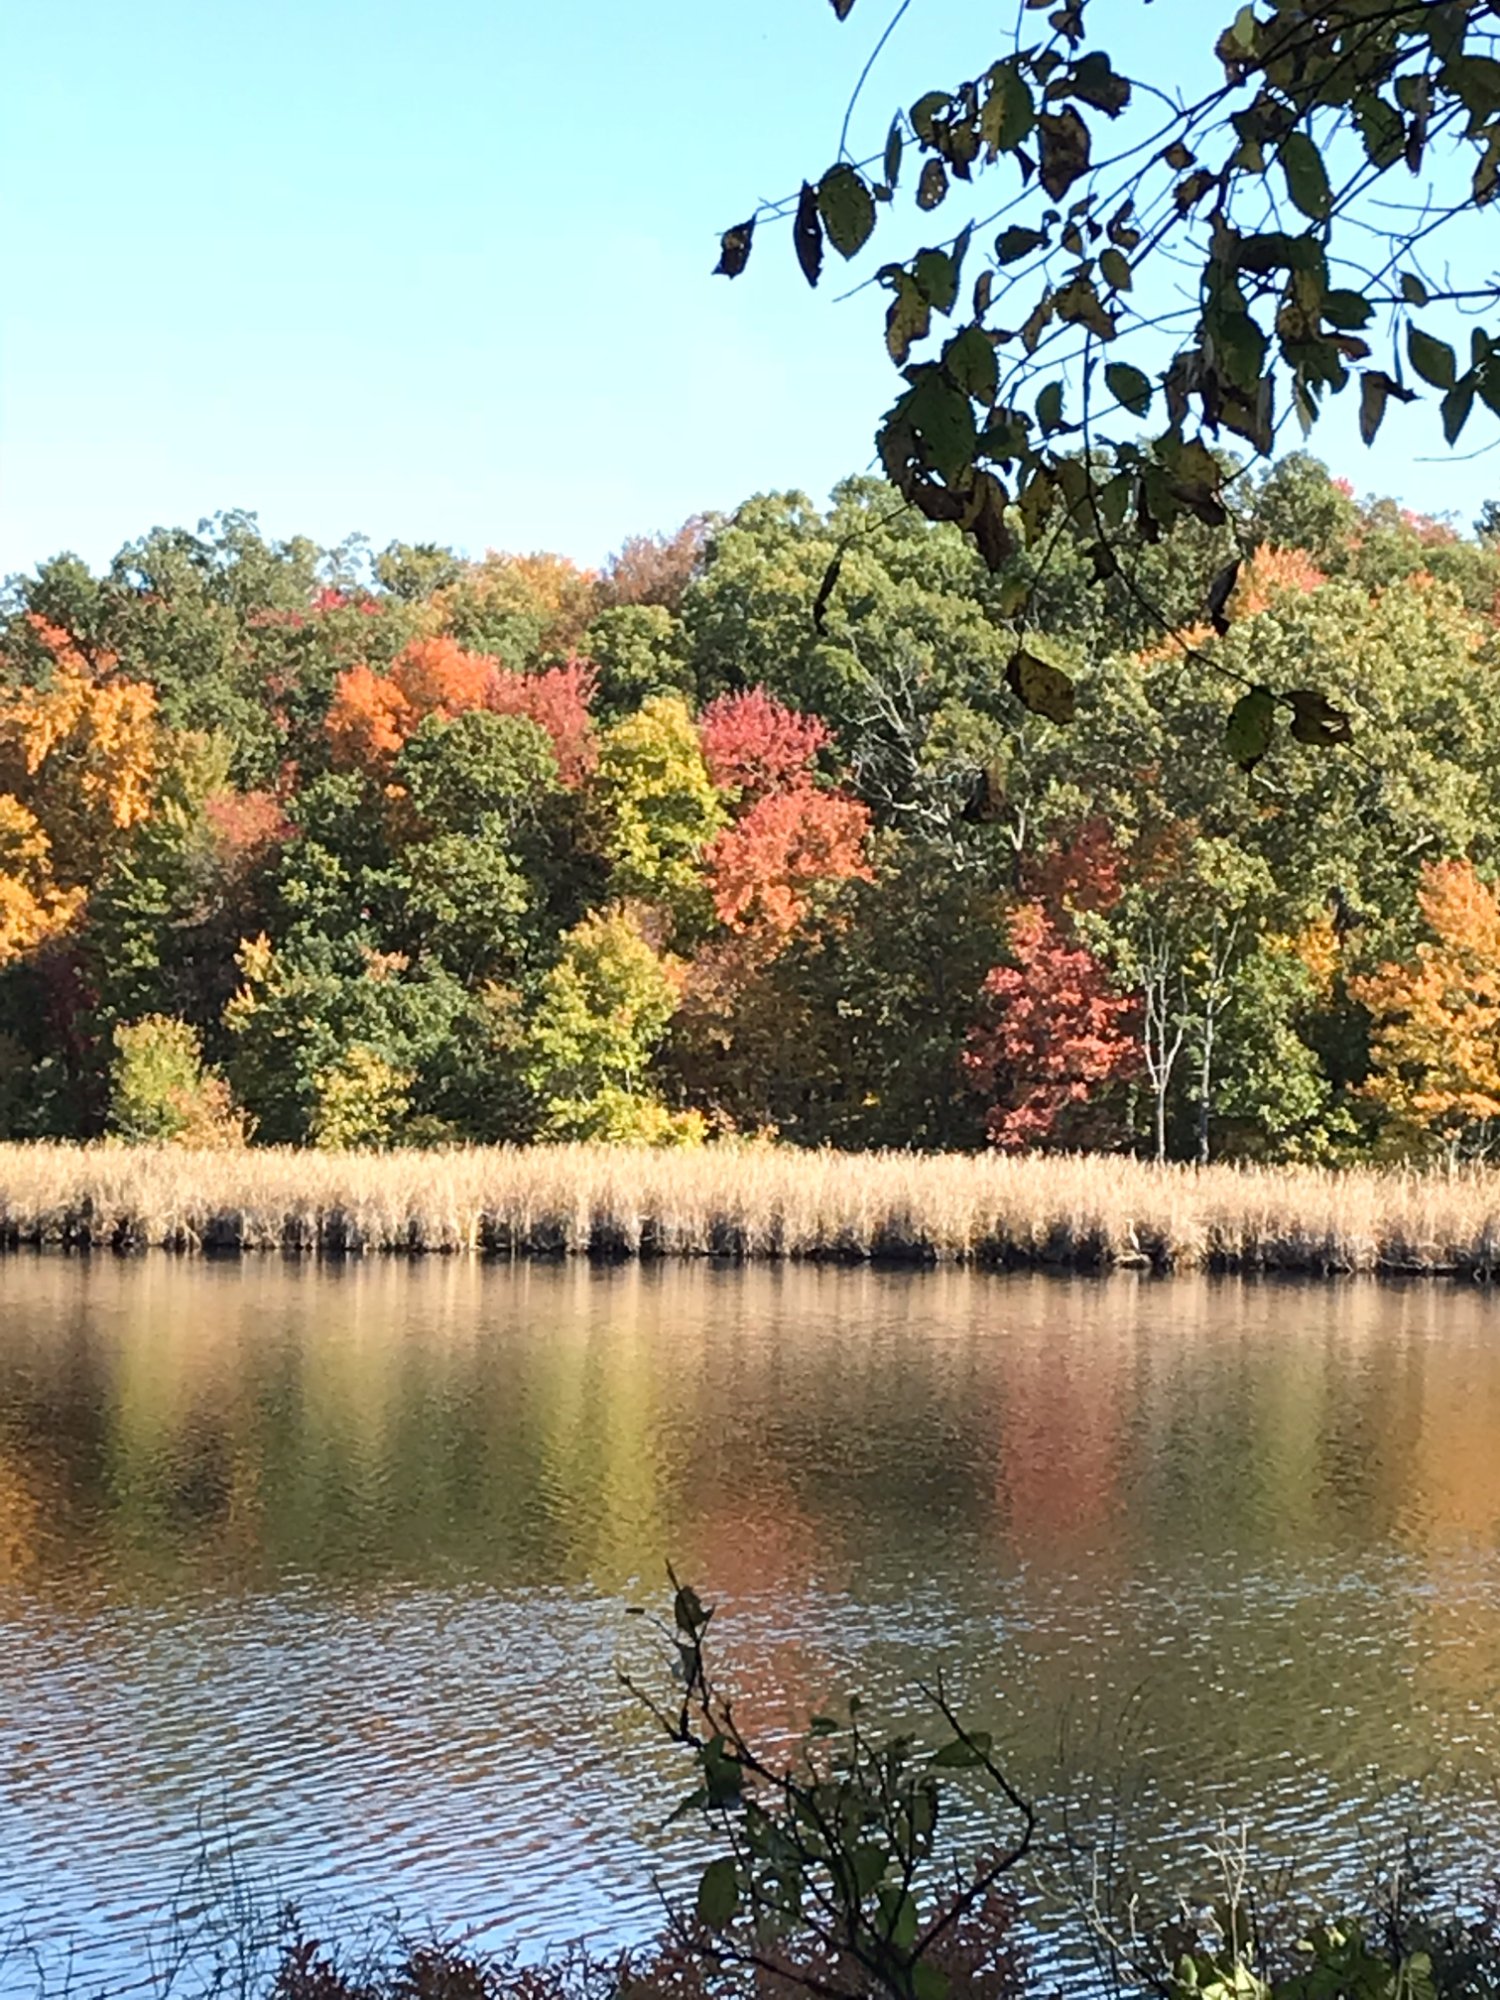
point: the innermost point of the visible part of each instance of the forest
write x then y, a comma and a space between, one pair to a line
731, 841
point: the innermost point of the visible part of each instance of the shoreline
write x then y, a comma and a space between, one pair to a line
1087, 1213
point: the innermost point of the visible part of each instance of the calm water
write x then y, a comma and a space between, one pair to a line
332, 1564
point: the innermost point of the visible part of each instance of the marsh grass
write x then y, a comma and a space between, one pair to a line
1085, 1212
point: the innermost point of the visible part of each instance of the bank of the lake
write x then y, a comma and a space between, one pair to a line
612, 1202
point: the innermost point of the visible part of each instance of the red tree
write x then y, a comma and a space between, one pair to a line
1053, 1032
1080, 873
754, 744
558, 699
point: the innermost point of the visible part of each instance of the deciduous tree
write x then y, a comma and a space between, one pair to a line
602, 1013
1053, 1034
657, 809
1435, 1021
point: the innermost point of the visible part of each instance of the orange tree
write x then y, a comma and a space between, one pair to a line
1435, 1021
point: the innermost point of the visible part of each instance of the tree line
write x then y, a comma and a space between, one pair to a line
748, 835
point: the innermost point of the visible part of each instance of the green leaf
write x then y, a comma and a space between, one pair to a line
1374, 388
1455, 407
1412, 289
823, 1725
1239, 346
870, 1863
970, 359
1349, 311
960, 250
894, 146
1115, 269
944, 419
718, 1894
899, 1909
1276, 251
1306, 177
1009, 110
1195, 479
1219, 593
1065, 150
1433, 359
687, 1611
1381, 128
1049, 407
1247, 733
1014, 243
1129, 386
928, 1983
847, 208
925, 111
1042, 688
936, 278
820, 618
1079, 304
723, 1774
955, 1756
908, 318
1094, 80
734, 249
1474, 79
1315, 720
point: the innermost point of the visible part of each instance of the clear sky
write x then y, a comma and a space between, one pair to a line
440, 269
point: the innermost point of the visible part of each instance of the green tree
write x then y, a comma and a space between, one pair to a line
601, 1014
637, 651
478, 769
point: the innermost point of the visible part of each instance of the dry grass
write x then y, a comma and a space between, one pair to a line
622, 1202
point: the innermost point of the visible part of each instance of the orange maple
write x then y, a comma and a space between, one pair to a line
764, 868
1435, 1020
373, 714
80, 751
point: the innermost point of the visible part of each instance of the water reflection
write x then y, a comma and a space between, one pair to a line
337, 1556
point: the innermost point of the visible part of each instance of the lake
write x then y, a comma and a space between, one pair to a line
328, 1564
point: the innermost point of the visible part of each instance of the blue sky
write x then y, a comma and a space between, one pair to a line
440, 269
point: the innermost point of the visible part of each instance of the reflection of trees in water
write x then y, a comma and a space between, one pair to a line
567, 1425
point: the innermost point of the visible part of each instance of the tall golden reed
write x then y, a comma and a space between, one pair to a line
751, 1202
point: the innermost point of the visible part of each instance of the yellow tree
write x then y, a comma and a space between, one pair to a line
32, 907
80, 751
1435, 1020
656, 809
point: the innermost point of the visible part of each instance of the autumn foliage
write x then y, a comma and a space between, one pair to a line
1053, 1035
755, 744
82, 749
408, 849
765, 866
374, 714
1435, 1040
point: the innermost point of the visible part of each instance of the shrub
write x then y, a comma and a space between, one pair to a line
161, 1093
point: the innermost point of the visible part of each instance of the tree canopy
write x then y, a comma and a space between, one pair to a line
689, 848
